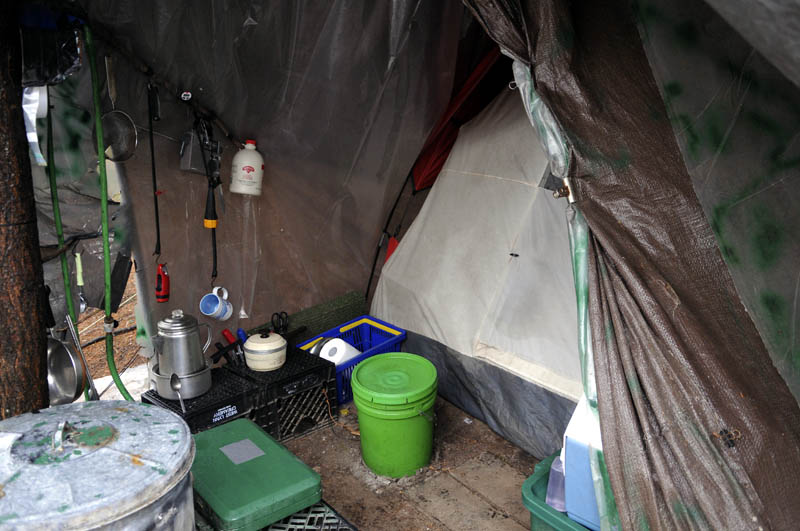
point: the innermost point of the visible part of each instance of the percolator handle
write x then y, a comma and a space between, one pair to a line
208, 341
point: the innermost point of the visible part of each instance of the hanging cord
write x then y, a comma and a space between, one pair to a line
108, 323
384, 234
51, 174
353, 432
153, 116
210, 215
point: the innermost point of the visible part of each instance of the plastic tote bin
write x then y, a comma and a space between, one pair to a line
534, 491
245, 480
369, 335
395, 394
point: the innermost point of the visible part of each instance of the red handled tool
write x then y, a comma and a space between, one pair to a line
162, 283
229, 337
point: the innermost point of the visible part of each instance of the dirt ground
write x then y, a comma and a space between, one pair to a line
90, 326
474, 480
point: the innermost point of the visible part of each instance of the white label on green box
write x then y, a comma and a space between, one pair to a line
242, 451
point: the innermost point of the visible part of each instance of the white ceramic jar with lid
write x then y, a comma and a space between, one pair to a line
265, 352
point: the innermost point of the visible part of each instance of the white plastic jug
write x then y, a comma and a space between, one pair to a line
248, 170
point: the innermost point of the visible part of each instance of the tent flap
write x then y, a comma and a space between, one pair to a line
680, 366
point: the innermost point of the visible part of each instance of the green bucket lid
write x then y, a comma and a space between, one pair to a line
394, 378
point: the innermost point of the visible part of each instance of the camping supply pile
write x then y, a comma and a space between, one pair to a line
267, 392
286, 391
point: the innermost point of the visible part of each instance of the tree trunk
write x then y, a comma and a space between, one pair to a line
23, 343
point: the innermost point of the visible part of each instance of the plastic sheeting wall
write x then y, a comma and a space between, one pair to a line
339, 96
485, 267
738, 137
698, 428
78, 184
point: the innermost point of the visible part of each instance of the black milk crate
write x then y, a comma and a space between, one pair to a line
319, 516
231, 396
296, 399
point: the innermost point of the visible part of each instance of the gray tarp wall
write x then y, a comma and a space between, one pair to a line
339, 96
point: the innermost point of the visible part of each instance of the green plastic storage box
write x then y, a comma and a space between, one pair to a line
244, 479
534, 492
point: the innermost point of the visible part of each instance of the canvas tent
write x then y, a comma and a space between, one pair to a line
665, 287
488, 225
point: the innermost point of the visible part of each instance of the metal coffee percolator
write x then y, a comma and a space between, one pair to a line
178, 351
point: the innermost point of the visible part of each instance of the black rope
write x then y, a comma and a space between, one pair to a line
152, 94
210, 198
213, 255
101, 338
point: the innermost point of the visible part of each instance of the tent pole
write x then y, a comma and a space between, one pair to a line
384, 232
23, 351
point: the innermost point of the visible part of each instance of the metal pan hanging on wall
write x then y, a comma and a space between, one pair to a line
66, 376
119, 136
119, 130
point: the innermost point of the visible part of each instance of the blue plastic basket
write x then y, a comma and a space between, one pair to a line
369, 335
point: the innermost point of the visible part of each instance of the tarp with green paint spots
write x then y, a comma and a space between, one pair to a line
579, 240
79, 197
677, 358
555, 146
738, 136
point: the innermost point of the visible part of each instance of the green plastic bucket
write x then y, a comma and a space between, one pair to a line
394, 394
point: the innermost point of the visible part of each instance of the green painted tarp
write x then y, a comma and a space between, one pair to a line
699, 428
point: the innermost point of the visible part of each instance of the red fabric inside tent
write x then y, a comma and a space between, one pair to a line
480, 88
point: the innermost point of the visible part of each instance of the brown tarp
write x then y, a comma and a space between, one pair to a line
699, 430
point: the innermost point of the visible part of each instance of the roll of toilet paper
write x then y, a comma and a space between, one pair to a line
338, 351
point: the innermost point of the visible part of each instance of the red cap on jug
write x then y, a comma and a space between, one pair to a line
250, 142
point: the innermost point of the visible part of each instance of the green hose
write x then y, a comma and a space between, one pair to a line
101, 156
51, 174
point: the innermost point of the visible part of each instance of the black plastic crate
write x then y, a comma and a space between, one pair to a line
231, 396
295, 399
299, 413
319, 516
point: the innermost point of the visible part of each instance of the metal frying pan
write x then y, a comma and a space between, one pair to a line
119, 131
65, 375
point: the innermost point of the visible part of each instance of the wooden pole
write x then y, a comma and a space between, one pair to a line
23, 343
